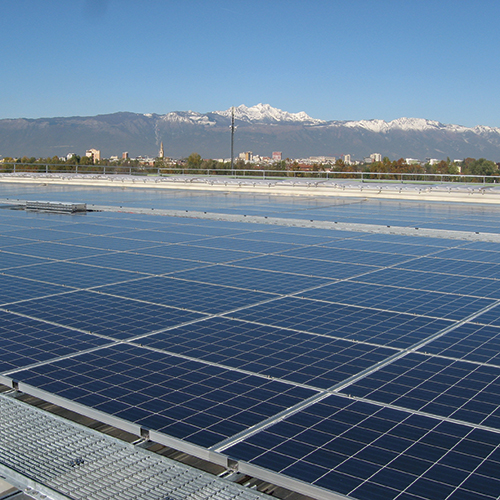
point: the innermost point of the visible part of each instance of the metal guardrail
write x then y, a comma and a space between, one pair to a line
246, 173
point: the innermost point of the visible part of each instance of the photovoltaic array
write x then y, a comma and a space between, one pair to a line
326, 361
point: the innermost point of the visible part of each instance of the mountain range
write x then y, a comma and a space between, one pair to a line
261, 129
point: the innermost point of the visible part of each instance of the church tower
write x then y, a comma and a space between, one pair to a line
161, 154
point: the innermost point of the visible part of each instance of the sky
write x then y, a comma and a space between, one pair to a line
333, 59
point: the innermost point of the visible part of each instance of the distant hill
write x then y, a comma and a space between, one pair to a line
261, 129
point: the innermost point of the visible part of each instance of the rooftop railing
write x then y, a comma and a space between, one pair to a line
255, 173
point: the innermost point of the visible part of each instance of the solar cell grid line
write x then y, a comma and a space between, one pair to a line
384, 247
356, 380
434, 282
194, 253
253, 247
366, 257
10, 260
279, 237
465, 254
469, 342
37, 342
394, 298
282, 354
414, 240
9, 241
463, 391
391, 329
90, 228
139, 238
41, 234
251, 279
72, 274
486, 246
364, 452
491, 317
110, 243
105, 315
186, 399
455, 267
304, 267
54, 250
185, 294
145, 264
25, 289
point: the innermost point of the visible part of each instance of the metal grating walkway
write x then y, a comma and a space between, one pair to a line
81, 464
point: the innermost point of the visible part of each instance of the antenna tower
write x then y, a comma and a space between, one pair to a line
232, 140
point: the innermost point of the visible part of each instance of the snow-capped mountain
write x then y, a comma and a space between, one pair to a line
266, 114
261, 129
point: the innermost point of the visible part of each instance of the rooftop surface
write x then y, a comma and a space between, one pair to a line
332, 346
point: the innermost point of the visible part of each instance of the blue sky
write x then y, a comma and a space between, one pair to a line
335, 60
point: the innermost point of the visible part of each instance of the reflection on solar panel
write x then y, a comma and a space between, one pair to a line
325, 361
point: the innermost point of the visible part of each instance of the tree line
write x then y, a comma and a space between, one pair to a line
195, 164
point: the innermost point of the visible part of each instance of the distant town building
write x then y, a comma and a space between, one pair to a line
95, 154
412, 161
161, 154
347, 159
125, 155
277, 156
246, 156
376, 157
321, 159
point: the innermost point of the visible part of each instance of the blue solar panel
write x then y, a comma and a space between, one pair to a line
59, 251
101, 314
328, 254
71, 274
255, 319
146, 264
285, 354
22, 289
348, 322
469, 342
200, 403
13, 260
443, 305
468, 392
197, 254
435, 282
367, 452
455, 267
189, 295
25, 341
251, 279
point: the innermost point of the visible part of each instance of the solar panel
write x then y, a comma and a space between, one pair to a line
189, 400
101, 314
190, 295
393, 298
343, 321
326, 361
367, 451
251, 279
314, 360
467, 392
